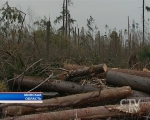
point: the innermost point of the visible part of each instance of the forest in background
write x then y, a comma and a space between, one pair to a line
24, 43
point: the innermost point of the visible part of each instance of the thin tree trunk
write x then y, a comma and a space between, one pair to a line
143, 24
48, 40
78, 37
99, 43
66, 16
75, 35
63, 17
69, 40
130, 44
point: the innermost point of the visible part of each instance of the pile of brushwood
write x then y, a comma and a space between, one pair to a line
75, 92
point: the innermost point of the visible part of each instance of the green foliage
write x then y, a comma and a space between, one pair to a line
41, 24
11, 19
19, 64
148, 8
16, 65
113, 35
35, 71
11, 13
58, 19
8, 70
3, 86
115, 44
144, 54
63, 14
55, 37
40, 34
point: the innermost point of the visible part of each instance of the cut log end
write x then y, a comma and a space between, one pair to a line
104, 67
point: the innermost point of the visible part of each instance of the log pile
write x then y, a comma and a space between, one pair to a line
85, 93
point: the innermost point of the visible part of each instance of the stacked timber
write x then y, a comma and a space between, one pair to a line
84, 93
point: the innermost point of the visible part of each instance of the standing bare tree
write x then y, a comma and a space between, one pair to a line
65, 17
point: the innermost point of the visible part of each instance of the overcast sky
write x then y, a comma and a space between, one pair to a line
114, 13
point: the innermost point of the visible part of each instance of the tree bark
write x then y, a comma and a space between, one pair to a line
72, 100
108, 96
55, 85
135, 79
63, 17
90, 113
136, 93
66, 17
47, 40
88, 70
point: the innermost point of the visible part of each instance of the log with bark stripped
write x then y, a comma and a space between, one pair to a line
72, 100
101, 68
91, 113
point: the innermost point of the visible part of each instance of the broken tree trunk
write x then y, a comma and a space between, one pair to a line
72, 100
55, 85
135, 79
91, 112
87, 71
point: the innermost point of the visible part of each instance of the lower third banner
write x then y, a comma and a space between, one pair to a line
21, 97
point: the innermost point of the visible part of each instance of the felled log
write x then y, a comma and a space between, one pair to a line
76, 73
91, 112
132, 72
87, 71
55, 85
109, 96
72, 100
137, 80
50, 94
141, 99
136, 93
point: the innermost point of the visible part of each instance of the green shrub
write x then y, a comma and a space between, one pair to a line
144, 54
